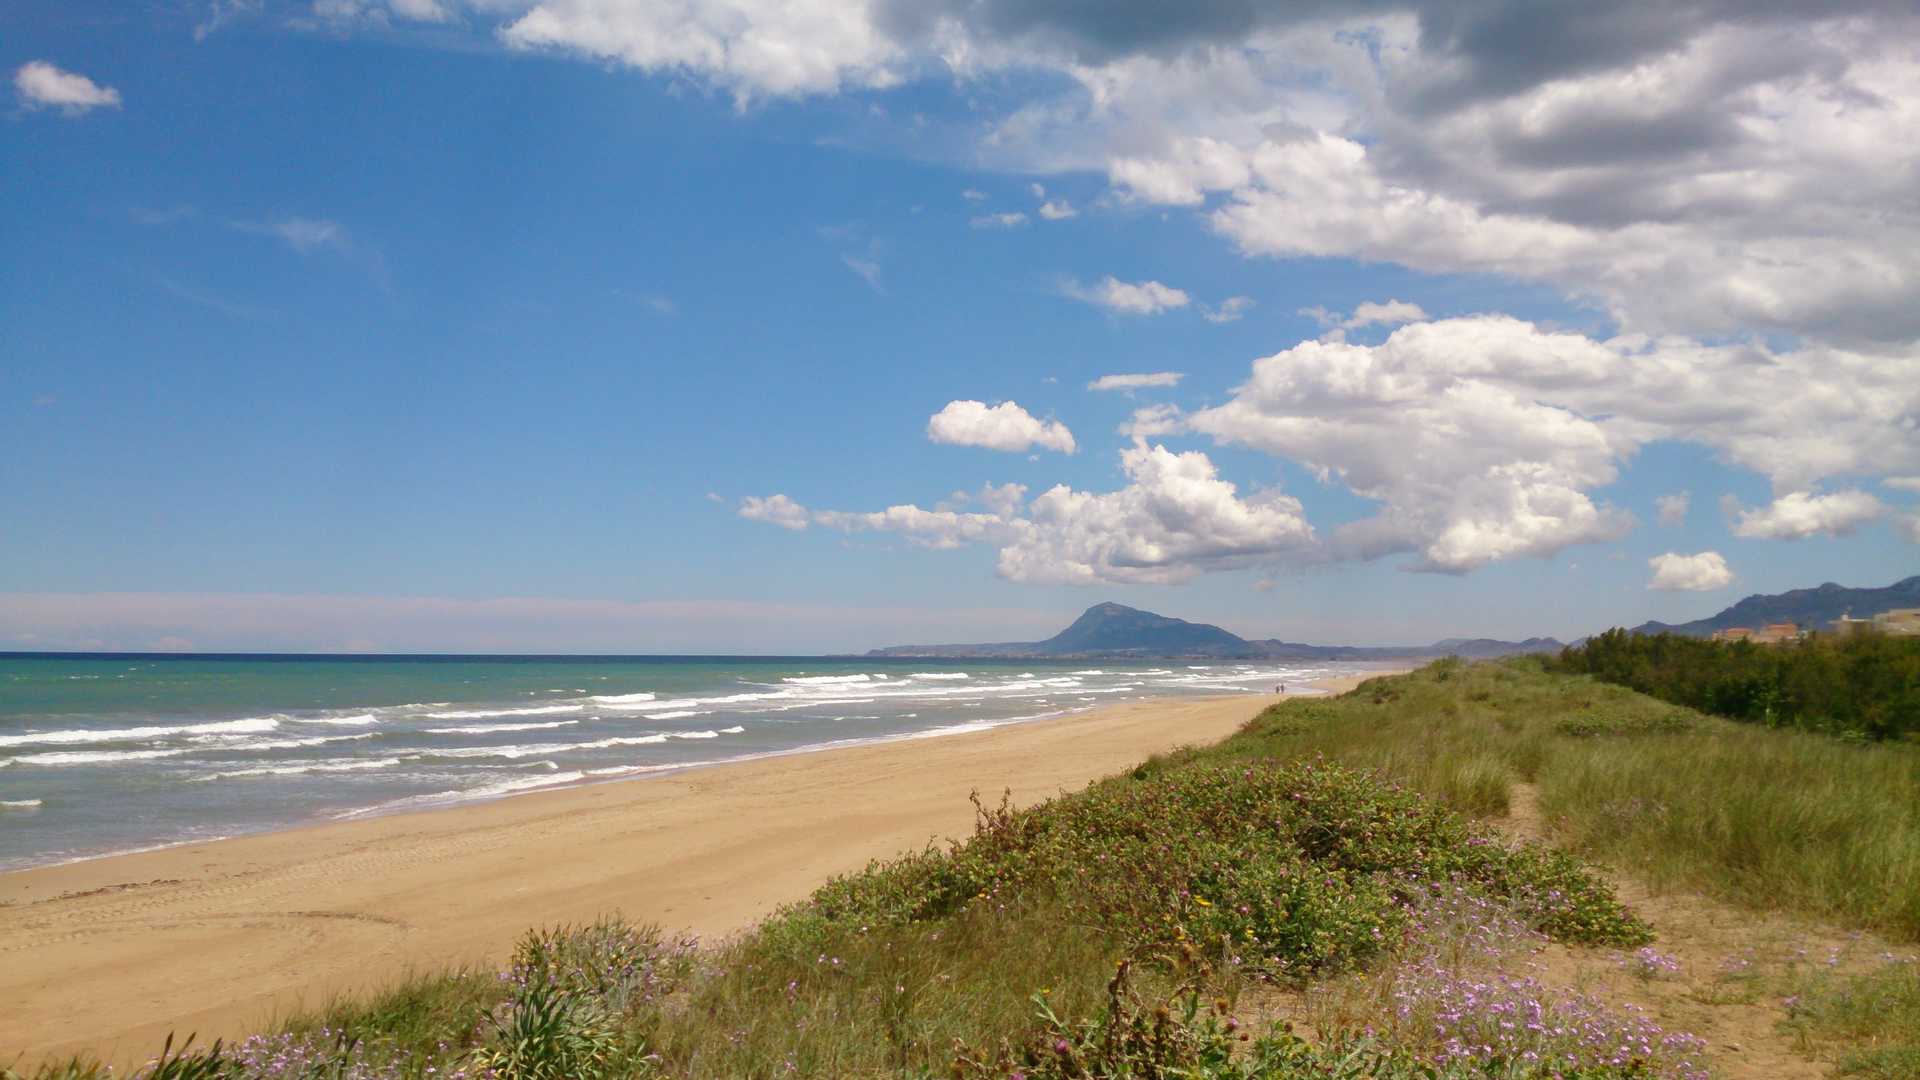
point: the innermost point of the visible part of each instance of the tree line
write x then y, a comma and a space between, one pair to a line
1862, 685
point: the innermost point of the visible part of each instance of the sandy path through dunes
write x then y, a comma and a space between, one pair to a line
109, 955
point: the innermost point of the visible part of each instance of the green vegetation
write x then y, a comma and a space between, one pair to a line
1124, 931
1874, 1016
1863, 685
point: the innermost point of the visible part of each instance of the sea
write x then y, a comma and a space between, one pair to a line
110, 753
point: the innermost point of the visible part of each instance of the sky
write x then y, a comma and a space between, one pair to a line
802, 326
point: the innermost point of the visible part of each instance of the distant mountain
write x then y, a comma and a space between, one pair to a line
1810, 608
1117, 632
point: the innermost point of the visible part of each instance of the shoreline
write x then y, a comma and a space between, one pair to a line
108, 954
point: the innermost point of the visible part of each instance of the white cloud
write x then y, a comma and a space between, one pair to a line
41, 85
421, 10
775, 510
1058, 210
1904, 483
1802, 514
1128, 298
304, 235
1367, 313
1228, 310
1174, 520
1689, 573
1138, 381
866, 268
1390, 313
1673, 508
1010, 220
1908, 526
1481, 437
973, 195
1005, 426
752, 48
1154, 421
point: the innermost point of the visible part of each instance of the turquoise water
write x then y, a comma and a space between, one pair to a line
112, 753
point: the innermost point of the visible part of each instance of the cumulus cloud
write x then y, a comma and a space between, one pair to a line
1005, 426
1481, 438
1057, 210
1140, 381
1126, 297
1012, 219
1673, 508
1175, 519
1154, 421
1801, 514
1689, 573
1908, 526
1904, 483
775, 510
41, 85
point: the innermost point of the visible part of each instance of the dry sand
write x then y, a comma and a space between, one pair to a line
108, 956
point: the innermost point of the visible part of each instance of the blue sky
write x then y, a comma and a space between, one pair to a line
331, 325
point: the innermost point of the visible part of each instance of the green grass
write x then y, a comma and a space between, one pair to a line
1873, 1019
1754, 816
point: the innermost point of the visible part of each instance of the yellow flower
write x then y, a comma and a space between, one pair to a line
1202, 901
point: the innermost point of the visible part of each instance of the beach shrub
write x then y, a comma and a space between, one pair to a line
1863, 684
547, 1033
1290, 869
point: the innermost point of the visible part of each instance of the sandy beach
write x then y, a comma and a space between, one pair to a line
109, 955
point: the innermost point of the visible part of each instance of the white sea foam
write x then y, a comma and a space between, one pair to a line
20, 804
734, 730
302, 767
92, 757
488, 729
284, 744
481, 714
252, 725
693, 734
940, 675
1095, 671
622, 699
828, 680
356, 720
680, 715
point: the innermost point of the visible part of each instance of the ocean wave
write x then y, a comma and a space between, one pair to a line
297, 769
92, 757
356, 720
20, 804
734, 730
680, 715
940, 675
622, 699
828, 680
693, 734
252, 725
481, 714
285, 744
488, 729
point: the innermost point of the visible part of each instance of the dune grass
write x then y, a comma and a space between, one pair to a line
1758, 817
